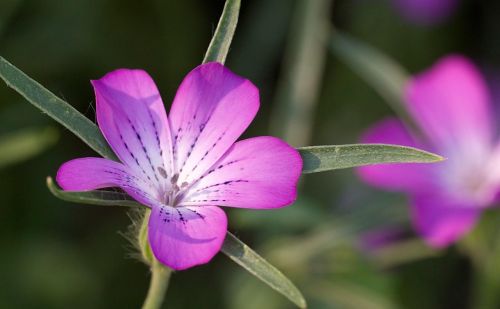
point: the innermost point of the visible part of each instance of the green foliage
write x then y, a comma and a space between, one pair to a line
56, 108
325, 158
223, 36
244, 256
97, 197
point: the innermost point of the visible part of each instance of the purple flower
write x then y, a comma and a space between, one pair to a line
451, 104
425, 12
183, 167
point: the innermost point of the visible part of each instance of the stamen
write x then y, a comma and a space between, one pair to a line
174, 178
162, 172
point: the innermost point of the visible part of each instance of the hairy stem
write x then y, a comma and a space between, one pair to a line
160, 274
160, 277
221, 41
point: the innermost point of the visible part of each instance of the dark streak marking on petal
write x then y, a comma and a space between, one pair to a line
208, 151
181, 217
130, 152
196, 213
143, 148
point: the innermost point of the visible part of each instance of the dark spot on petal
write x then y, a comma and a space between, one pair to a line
162, 172
174, 179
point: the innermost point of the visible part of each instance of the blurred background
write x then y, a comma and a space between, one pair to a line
344, 244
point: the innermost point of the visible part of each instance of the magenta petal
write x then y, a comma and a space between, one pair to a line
260, 172
132, 117
450, 101
184, 237
87, 174
410, 177
212, 108
441, 221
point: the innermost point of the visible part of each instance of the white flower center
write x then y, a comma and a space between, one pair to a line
467, 177
171, 193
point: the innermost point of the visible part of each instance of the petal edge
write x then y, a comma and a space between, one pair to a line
260, 172
185, 237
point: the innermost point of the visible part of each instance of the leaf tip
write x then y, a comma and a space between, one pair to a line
439, 158
432, 157
51, 185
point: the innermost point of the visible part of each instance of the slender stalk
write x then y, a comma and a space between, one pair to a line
160, 274
221, 41
298, 88
160, 277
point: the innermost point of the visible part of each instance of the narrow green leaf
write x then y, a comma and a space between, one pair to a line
219, 46
325, 158
24, 144
379, 71
260, 268
97, 197
56, 108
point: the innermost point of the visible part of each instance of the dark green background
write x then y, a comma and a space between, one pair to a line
54, 254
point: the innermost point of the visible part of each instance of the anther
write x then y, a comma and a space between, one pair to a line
162, 172
174, 178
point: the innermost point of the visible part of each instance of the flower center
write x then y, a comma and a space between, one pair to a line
171, 193
469, 182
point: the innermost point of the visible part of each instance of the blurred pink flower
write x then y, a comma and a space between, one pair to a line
451, 105
425, 12
187, 165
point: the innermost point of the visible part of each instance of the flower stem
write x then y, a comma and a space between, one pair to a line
160, 276
219, 46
